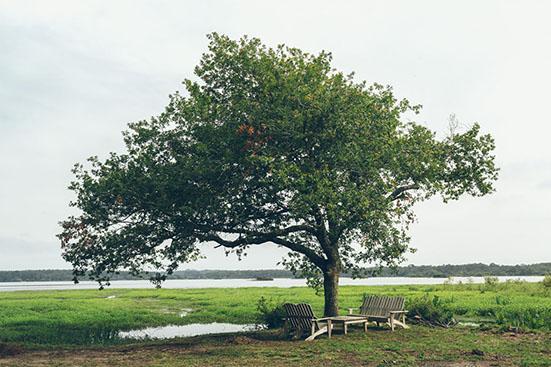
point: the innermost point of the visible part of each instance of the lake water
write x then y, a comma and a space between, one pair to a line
241, 283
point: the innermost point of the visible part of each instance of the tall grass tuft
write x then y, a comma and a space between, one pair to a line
431, 310
271, 314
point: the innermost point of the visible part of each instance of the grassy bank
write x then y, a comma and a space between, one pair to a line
418, 346
79, 328
50, 318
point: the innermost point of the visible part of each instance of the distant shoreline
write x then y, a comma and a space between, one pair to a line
411, 271
252, 283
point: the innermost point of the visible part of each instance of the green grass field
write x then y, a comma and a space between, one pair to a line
40, 322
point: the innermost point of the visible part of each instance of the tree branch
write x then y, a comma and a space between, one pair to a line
327, 237
276, 232
267, 237
398, 192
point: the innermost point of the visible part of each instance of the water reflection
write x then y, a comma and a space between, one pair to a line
76, 335
175, 331
185, 311
83, 335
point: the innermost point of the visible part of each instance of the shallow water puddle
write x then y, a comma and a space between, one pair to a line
468, 324
175, 331
185, 311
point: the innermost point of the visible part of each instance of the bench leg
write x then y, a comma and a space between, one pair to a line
392, 321
345, 327
365, 326
399, 323
329, 328
317, 333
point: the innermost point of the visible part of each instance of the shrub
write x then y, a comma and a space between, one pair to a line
431, 310
271, 313
503, 300
460, 310
524, 318
547, 281
490, 284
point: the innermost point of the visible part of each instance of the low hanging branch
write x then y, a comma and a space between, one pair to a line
400, 191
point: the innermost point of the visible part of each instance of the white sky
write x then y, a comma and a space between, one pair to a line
73, 74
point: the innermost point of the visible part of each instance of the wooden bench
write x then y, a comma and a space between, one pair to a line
300, 318
385, 309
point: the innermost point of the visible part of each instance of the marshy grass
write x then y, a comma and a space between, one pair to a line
69, 317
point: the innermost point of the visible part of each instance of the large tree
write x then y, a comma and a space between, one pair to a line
269, 146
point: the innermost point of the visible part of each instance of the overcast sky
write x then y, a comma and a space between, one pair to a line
73, 74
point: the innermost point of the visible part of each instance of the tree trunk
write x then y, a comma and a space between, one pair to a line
331, 292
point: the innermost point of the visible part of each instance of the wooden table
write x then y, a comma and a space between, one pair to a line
345, 321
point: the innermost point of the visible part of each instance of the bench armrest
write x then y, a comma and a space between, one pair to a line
402, 311
321, 319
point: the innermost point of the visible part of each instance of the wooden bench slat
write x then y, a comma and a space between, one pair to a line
301, 318
378, 308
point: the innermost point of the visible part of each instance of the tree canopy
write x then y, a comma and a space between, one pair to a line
269, 145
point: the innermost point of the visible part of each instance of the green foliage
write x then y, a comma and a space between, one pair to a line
270, 314
269, 145
431, 309
490, 284
490, 281
523, 318
547, 281
503, 300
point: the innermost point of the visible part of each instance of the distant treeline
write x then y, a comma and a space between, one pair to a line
429, 271
468, 270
